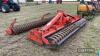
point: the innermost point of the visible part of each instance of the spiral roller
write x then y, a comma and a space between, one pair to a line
57, 37
25, 27
17, 29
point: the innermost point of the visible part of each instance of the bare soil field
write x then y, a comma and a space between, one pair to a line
18, 45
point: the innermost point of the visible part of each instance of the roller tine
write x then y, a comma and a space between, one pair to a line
54, 40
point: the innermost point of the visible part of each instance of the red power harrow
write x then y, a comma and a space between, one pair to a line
17, 29
55, 32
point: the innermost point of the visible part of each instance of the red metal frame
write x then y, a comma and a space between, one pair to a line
9, 30
58, 22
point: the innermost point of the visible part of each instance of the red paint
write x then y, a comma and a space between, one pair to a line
9, 30
39, 35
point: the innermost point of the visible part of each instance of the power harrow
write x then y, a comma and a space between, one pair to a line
57, 30
17, 29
